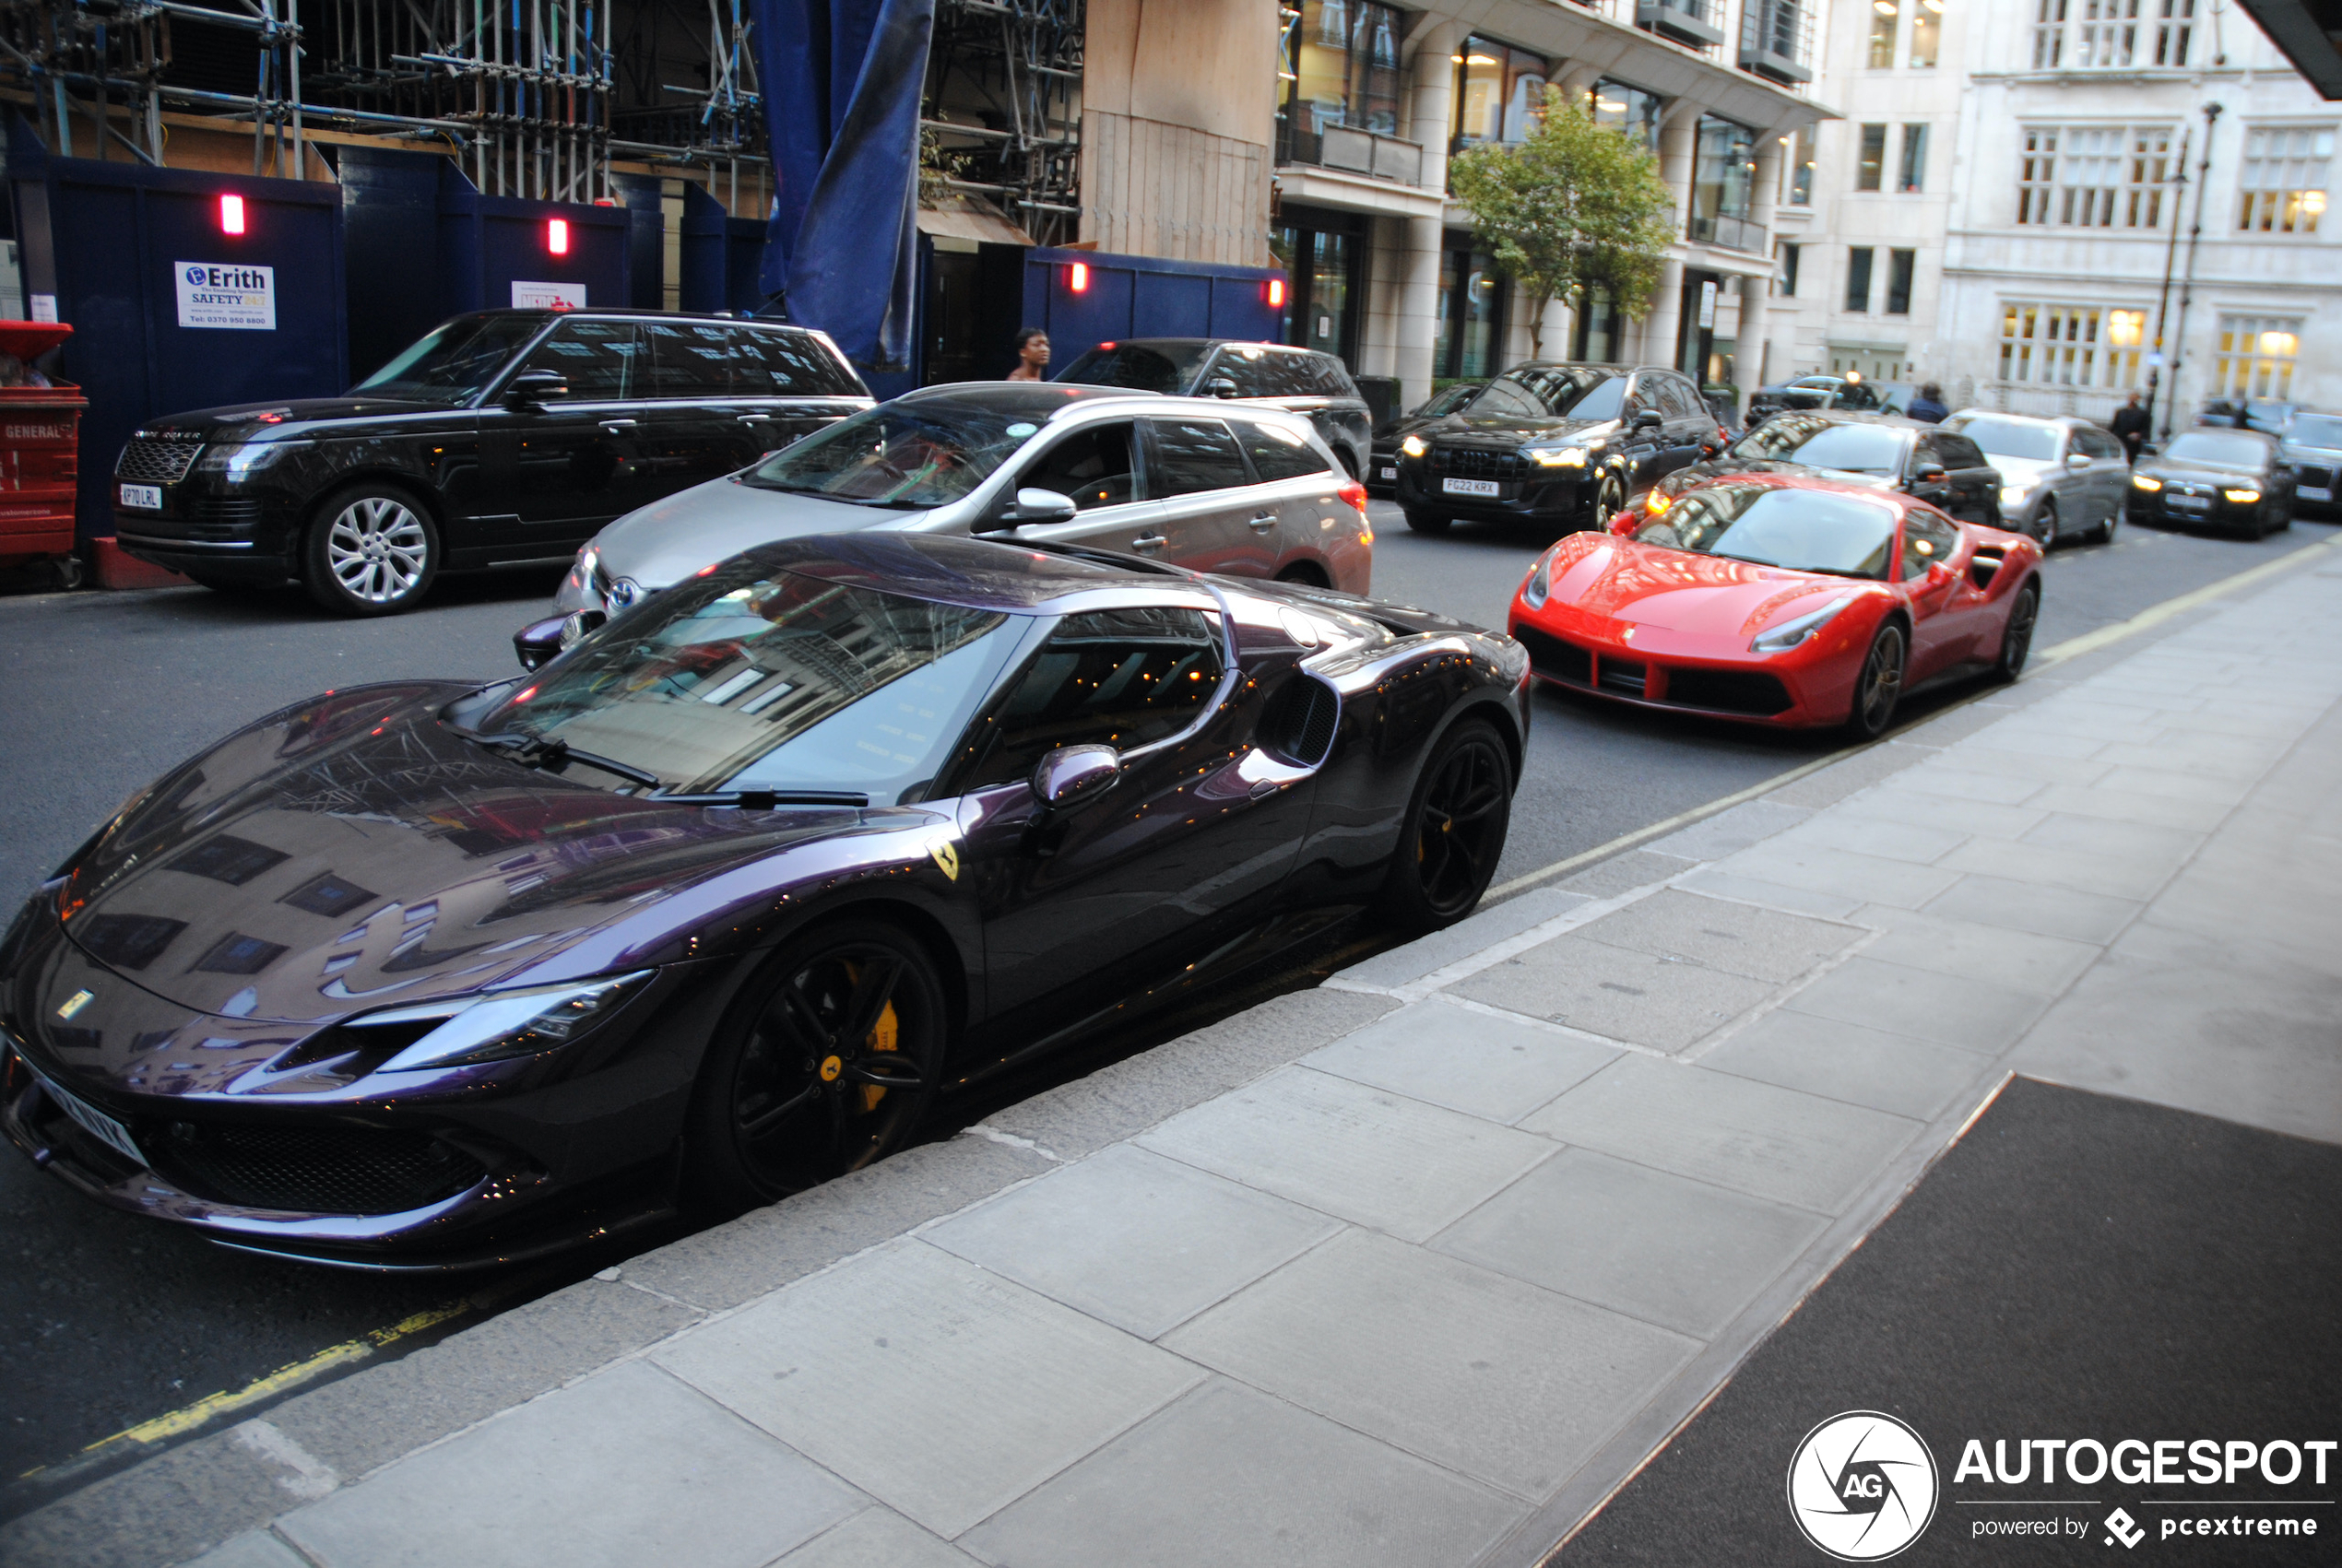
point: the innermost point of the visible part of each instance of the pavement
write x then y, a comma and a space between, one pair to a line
1420, 1265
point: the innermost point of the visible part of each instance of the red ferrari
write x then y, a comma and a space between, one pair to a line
1779, 599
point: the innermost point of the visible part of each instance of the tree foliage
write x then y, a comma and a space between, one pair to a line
1576, 207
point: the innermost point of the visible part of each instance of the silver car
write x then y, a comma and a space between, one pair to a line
2311, 446
2059, 476
1251, 492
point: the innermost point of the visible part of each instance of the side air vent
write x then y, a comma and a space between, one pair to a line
1983, 566
1301, 719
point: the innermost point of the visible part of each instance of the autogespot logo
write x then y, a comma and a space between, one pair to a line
1861, 1486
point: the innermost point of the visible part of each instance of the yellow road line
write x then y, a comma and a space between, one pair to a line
2073, 647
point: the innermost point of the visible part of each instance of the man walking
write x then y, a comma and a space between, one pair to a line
2130, 427
1928, 406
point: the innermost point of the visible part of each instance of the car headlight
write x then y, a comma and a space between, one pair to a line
1558, 457
1415, 446
238, 460
1790, 633
1656, 502
2013, 495
2242, 498
2141, 481
1539, 586
495, 1026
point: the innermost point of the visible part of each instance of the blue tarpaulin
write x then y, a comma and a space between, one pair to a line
841, 81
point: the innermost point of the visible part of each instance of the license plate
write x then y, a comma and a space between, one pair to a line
147, 498
1470, 487
1389, 473
94, 1122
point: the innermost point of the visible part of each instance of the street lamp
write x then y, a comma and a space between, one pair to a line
2195, 236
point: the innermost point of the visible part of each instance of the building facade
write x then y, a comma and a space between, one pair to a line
2015, 181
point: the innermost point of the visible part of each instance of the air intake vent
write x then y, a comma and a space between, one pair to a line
321, 1169
1301, 721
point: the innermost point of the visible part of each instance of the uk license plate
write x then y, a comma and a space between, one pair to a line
1389, 472
1469, 487
146, 498
94, 1122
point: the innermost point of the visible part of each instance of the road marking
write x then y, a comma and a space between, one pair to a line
2072, 648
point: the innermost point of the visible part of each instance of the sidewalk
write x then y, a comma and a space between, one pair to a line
1418, 1267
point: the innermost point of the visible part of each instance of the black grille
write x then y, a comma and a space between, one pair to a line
1624, 675
1478, 463
225, 514
150, 462
1555, 659
1301, 722
2315, 478
1726, 690
315, 1168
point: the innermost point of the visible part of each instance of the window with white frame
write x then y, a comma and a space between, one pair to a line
2255, 356
2049, 34
2107, 35
2174, 27
2083, 346
2093, 176
2282, 187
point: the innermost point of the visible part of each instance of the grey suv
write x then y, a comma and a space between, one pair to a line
1299, 381
2311, 446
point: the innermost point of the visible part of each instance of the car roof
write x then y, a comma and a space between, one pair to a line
1036, 399
545, 313
2047, 421
974, 573
1775, 479
1850, 416
1209, 343
1580, 365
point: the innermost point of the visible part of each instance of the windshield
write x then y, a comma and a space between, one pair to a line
1449, 400
2008, 438
2218, 449
1143, 367
905, 455
2316, 430
454, 361
1805, 530
752, 678
1826, 444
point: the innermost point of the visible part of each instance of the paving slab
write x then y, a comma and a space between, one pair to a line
1133, 1239
876, 1538
1973, 1015
1621, 994
1772, 895
942, 1390
1751, 821
2038, 738
1731, 1132
2029, 906
625, 1467
1495, 1066
2235, 760
1756, 943
1230, 1476
1896, 801
1414, 960
2124, 805
1992, 762
2139, 779
1849, 1061
1995, 954
1504, 1381
1625, 873
1970, 783
1867, 878
254, 1549
1677, 1253
2088, 871
1861, 771
1361, 1154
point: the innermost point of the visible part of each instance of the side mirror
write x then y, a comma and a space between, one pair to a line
539, 643
1073, 774
532, 387
1648, 419
1218, 386
2077, 460
1929, 474
1032, 505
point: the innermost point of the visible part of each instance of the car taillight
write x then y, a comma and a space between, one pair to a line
1353, 494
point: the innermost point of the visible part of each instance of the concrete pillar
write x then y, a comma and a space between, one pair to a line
1675, 150
1755, 293
1429, 124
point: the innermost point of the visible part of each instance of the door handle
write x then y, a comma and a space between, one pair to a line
620, 427
1265, 521
1149, 542
756, 418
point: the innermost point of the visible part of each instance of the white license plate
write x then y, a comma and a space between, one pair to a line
1469, 487
94, 1122
1389, 473
147, 498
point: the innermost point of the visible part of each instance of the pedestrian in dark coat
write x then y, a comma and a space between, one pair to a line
2130, 427
1928, 406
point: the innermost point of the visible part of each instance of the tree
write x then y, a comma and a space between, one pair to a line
1574, 207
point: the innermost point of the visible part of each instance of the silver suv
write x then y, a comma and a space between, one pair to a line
2059, 476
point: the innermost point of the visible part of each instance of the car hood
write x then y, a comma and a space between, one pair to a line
1510, 427
1390, 432
1607, 578
1692, 473
352, 852
663, 543
279, 421
2174, 470
2025, 472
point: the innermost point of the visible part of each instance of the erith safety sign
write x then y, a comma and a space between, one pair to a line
237, 297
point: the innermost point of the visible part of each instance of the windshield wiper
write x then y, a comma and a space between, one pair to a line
553, 754
764, 799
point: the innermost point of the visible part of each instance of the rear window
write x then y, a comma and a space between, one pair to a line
2009, 438
1165, 368
2316, 430
1278, 452
773, 363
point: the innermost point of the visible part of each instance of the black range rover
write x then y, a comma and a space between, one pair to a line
500, 437
1299, 381
1559, 445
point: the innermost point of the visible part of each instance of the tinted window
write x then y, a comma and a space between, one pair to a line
1601, 401
1278, 452
1193, 455
688, 360
1449, 401
1927, 539
1675, 398
1960, 452
452, 362
1145, 368
901, 455
2316, 430
1826, 444
1092, 465
2219, 450
1803, 529
1508, 397
1123, 678
1254, 375
1328, 376
787, 364
2008, 438
2097, 443
603, 359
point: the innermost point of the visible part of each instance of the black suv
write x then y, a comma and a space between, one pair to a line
1942, 467
500, 437
1300, 381
1558, 445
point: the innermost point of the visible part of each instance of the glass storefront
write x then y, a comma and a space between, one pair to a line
1628, 109
1472, 315
1594, 339
1499, 91
1322, 254
1339, 66
1723, 173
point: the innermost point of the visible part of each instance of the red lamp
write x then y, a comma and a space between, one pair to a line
232, 215
1276, 293
557, 236
1077, 277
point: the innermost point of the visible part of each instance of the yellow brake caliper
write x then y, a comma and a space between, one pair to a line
881, 1037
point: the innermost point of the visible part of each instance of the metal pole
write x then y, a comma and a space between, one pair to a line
2171, 260
292, 12
2196, 233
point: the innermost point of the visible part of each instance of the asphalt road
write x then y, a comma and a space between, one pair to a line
107, 1323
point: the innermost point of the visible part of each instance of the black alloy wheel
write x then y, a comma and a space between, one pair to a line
372, 550
1420, 522
1454, 832
831, 1069
1880, 686
2017, 638
2044, 529
1610, 498
2285, 515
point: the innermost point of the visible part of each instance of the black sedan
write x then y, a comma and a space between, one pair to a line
1382, 473
2230, 479
1849, 393
713, 907
1939, 466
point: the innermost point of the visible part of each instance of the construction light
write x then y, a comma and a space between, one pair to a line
1276, 293
232, 215
1077, 277
557, 235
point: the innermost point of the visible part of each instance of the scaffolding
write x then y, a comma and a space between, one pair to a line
1004, 105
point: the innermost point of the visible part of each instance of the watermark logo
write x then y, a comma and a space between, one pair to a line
1861, 1486
2121, 1527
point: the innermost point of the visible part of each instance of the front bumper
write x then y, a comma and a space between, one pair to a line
1545, 496
2214, 511
1804, 688
232, 533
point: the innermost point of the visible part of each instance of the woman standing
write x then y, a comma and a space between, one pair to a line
1032, 355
